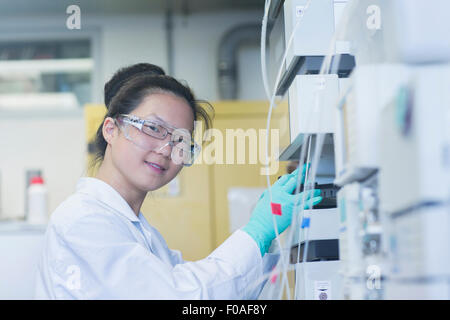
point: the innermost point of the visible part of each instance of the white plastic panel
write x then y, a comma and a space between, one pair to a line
311, 104
315, 30
414, 165
318, 280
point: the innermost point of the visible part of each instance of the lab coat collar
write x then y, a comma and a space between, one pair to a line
107, 195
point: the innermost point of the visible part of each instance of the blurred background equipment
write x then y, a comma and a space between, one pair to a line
241, 202
45, 74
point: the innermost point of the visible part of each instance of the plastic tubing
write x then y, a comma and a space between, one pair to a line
325, 67
272, 103
320, 137
263, 49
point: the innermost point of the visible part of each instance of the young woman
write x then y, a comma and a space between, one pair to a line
98, 245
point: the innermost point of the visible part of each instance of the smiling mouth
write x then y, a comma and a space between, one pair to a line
155, 166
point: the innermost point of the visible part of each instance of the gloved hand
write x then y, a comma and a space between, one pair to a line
261, 226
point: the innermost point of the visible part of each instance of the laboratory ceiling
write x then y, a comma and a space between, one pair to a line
48, 7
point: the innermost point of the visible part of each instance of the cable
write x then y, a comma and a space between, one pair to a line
321, 136
272, 102
301, 213
318, 150
263, 49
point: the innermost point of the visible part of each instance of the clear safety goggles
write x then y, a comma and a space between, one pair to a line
141, 132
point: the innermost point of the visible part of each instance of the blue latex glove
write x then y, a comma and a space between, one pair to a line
261, 227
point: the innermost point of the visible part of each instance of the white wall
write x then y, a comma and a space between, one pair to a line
196, 47
196, 40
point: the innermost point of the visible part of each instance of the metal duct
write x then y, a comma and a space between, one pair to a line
227, 64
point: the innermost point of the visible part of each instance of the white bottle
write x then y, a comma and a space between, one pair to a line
37, 202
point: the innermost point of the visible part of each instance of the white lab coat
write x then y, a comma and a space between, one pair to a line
97, 248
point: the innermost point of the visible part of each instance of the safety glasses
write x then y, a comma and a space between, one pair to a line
142, 132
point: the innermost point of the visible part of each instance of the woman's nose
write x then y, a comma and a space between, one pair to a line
165, 149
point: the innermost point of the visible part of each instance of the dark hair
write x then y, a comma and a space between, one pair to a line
128, 88
125, 74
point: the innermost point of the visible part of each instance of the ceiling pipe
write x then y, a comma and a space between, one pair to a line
169, 38
227, 61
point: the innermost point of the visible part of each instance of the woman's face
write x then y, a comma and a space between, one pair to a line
136, 164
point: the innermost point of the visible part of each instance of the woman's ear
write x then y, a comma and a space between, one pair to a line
109, 130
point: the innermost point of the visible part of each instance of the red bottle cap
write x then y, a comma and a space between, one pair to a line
37, 180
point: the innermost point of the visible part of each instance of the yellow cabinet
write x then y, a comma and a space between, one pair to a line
244, 115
